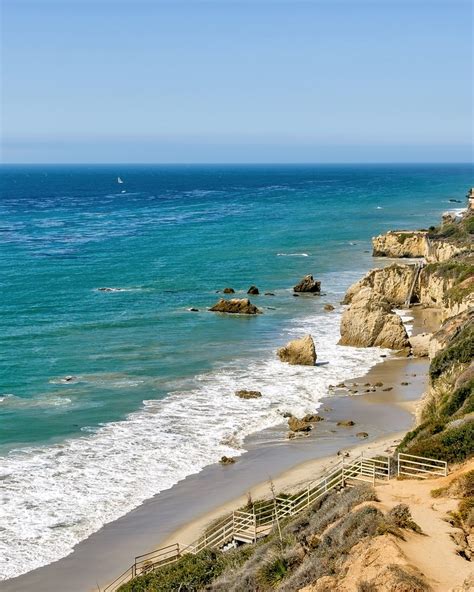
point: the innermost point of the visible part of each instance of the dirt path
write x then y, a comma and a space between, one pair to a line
433, 554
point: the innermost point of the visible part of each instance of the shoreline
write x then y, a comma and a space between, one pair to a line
180, 513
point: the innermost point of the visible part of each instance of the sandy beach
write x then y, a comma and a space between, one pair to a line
180, 513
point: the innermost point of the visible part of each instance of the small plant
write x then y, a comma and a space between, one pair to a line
272, 572
366, 586
401, 517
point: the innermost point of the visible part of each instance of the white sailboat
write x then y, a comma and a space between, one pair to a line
119, 181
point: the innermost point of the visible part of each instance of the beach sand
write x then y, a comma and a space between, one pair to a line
180, 513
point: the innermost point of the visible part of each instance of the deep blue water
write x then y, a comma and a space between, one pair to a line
169, 237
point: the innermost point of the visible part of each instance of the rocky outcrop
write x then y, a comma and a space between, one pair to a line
420, 344
298, 425
248, 394
441, 250
253, 290
400, 243
392, 282
236, 306
228, 291
414, 243
299, 352
376, 563
369, 321
308, 284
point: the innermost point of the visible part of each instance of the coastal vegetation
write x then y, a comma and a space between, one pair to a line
313, 545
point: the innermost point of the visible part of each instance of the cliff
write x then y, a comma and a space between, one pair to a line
401, 243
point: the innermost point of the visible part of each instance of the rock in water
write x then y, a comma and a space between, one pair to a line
300, 352
369, 322
227, 460
298, 425
253, 290
228, 291
328, 307
248, 394
308, 284
236, 306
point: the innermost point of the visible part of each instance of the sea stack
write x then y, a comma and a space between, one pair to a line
299, 352
308, 284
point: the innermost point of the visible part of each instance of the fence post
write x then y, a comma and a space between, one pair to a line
388, 476
343, 481
373, 474
398, 465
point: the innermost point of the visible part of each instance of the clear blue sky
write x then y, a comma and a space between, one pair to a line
236, 81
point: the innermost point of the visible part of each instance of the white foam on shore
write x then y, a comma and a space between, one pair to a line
53, 497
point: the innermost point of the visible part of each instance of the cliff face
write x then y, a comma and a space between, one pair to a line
393, 282
400, 243
415, 244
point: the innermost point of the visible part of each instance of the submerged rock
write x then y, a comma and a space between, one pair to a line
346, 423
328, 307
236, 306
312, 418
248, 394
253, 290
227, 460
308, 284
299, 352
228, 291
362, 435
370, 322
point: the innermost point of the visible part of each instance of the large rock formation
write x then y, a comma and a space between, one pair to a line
393, 282
400, 243
369, 321
299, 352
236, 306
308, 284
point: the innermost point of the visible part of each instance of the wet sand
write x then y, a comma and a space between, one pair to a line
180, 513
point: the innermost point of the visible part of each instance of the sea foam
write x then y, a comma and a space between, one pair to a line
54, 496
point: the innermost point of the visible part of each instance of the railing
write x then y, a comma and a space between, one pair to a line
420, 466
248, 526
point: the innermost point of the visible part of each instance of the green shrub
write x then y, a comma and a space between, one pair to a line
452, 445
461, 350
461, 401
272, 572
401, 516
190, 574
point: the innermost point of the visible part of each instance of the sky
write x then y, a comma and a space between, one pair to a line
236, 81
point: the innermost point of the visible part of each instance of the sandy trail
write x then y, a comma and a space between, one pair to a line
435, 553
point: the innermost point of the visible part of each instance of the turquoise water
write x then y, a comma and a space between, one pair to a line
153, 383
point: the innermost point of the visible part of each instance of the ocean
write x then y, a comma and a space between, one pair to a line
149, 397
